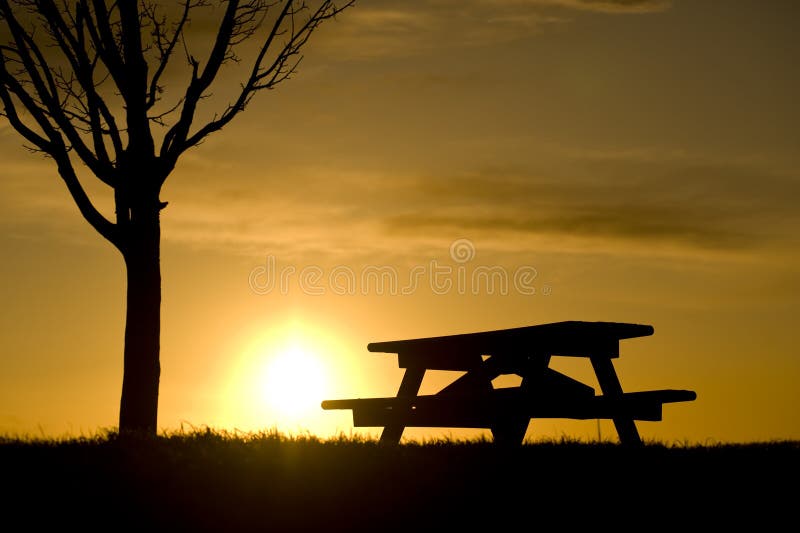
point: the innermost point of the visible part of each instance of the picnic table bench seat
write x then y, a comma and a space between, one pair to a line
482, 410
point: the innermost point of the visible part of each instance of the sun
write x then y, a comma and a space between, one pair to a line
281, 373
293, 381
284, 376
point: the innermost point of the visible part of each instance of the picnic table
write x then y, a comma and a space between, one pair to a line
471, 401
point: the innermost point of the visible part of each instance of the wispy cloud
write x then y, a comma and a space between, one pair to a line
688, 204
602, 6
642, 203
389, 28
634, 200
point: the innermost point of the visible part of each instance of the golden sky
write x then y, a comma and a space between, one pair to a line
640, 157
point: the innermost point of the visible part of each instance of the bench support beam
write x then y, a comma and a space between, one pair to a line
409, 387
611, 387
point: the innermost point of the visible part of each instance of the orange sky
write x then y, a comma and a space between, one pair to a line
641, 157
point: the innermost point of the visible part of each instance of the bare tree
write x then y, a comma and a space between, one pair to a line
82, 81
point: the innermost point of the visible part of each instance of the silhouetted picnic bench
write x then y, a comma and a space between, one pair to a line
472, 402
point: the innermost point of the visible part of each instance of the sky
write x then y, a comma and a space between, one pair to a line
623, 161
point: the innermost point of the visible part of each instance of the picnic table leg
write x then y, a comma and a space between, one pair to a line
610, 385
412, 380
512, 432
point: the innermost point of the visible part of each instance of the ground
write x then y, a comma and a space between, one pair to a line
213, 481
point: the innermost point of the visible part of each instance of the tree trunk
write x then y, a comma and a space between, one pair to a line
141, 368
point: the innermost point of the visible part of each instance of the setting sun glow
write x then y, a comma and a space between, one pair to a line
281, 376
293, 381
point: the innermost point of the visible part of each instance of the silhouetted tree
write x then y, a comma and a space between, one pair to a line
83, 81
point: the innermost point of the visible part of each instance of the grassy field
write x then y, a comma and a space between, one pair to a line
219, 482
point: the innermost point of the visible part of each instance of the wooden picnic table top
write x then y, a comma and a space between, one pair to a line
572, 338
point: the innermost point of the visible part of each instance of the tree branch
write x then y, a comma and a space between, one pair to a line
166, 53
100, 31
100, 223
41, 77
54, 147
278, 71
74, 49
10, 112
176, 136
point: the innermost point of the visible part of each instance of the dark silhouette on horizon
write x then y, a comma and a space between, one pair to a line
471, 401
84, 81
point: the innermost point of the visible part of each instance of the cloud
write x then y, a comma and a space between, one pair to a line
634, 201
607, 6
648, 204
640, 226
389, 28
637, 200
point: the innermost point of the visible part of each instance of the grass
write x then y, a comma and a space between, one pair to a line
218, 481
